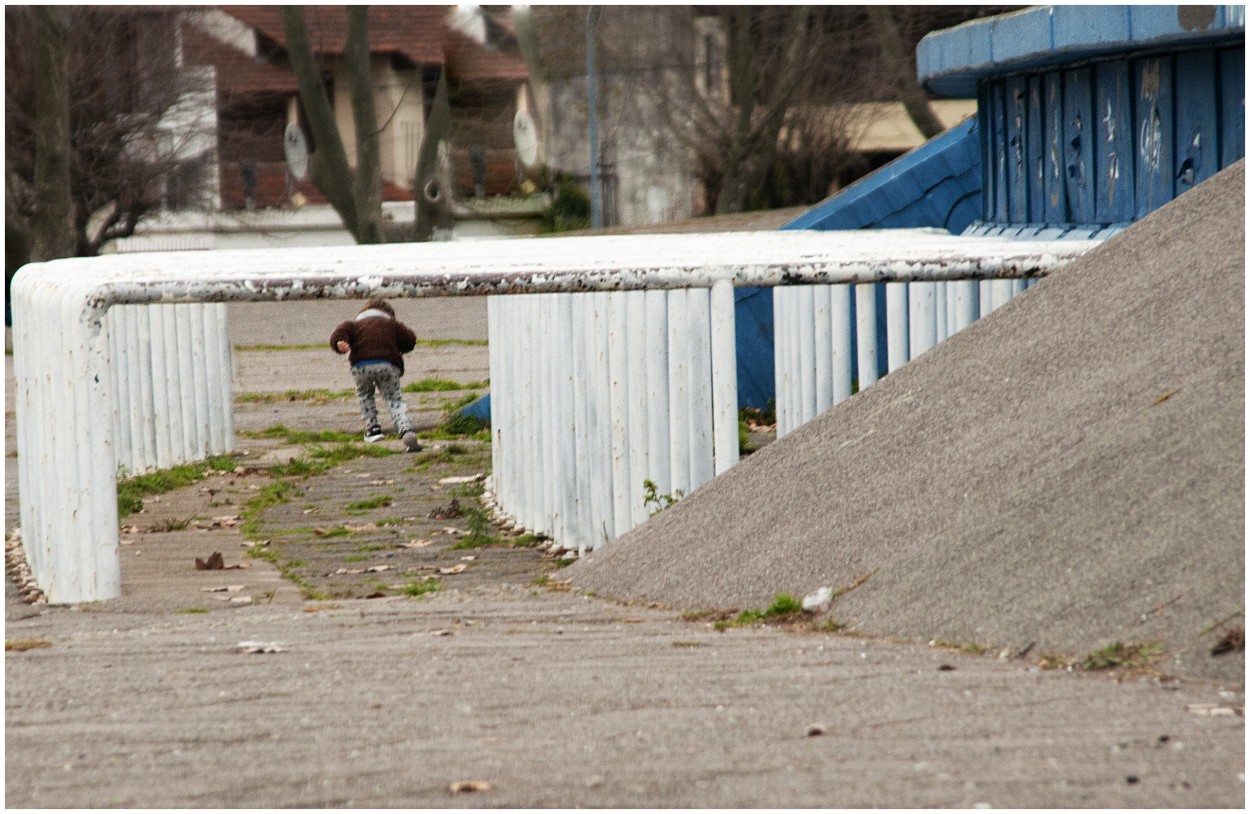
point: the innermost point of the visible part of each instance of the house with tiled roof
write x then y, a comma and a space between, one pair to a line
240, 54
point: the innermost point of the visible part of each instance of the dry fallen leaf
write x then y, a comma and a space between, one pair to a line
213, 563
1233, 642
469, 785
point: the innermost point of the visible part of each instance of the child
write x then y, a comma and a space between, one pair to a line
376, 342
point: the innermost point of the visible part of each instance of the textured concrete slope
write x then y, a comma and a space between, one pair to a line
1024, 482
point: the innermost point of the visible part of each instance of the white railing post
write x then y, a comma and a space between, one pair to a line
866, 333
923, 327
658, 441
806, 299
567, 476
618, 361
724, 377
897, 345
700, 377
498, 389
678, 393
600, 374
840, 329
823, 328
639, 420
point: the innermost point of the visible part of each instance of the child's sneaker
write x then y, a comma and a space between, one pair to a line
374, 433
410, 440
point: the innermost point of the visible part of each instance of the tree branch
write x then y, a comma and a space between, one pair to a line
330, 171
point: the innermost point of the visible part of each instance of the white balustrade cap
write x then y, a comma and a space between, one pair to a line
556, 264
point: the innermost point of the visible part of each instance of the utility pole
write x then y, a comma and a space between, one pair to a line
592, 92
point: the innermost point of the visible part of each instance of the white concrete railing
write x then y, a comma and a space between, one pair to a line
814, 366
592, 395
63, 353
172, 369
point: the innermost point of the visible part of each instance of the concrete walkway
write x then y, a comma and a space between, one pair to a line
502, 693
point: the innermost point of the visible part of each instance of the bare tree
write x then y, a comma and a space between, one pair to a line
761, 100
732, 81
89, 91
356, 197
897, 62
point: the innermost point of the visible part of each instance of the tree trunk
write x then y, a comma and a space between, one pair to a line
436, 128
733, 191
368, 186
328, 163
52, 226
898, 68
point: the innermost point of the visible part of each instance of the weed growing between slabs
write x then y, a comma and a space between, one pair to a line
352, 552
132, 490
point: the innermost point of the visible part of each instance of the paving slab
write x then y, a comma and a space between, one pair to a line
532, 694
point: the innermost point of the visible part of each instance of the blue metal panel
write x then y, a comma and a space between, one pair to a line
1113, 201
997, 140
919, 174
955, 61
1197, 142
1015, 129
1036, 152
937, 184
1232, 76
1078, 144
753, 337
1017, 35
1056, 203
986, 124
1176, 24
1152, 127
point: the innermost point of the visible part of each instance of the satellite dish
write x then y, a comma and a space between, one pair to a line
296, 149
525, 137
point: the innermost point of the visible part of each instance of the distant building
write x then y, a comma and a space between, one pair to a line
244, 193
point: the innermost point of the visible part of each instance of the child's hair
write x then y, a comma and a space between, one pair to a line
380, 305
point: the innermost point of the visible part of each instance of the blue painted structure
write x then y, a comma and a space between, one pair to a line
938, 185
1096, 114
1088, 118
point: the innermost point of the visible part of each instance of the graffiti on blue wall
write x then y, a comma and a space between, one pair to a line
1109, 142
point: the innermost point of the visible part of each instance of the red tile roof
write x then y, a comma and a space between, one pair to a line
236, 71
414, 32
469, 62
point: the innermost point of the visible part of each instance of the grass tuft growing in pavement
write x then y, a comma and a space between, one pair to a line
376, 502
1126, 656
314, 396
19, 645
443, 386
784, 608
132, 490
423, 587
290, 436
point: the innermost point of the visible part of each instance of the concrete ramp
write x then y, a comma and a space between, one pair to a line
1065, 473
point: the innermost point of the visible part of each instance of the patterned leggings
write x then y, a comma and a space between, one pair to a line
385, 378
